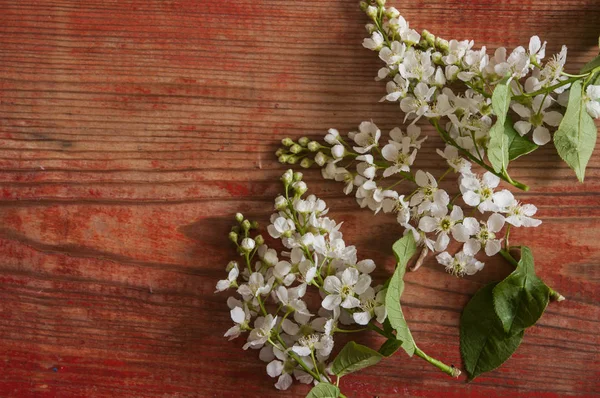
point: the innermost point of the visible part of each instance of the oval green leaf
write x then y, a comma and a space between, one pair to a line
354, 357
575, 138
521, 298
324, 390
483, 343
403, 249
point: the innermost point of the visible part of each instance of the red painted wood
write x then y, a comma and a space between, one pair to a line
131, 131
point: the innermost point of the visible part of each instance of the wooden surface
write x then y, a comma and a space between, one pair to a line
132, 130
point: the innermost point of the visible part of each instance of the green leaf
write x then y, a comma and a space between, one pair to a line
354, 357
483, 343
390, 347
590, 66
498, 144
576, 135
403, 249
324, 390
517, 145
521, 298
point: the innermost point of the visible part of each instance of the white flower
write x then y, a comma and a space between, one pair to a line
366, 167
443, 224
454, 160
483, 235
536, 118
334, 247
261, 332
366, 266
593, 101
459, 265
399, 155
517, 62
322, 344
371, 196
552, 72
281, 226
400, 25
419, 104
396, 88
311, 204
479, 192
417, 65
375, 42
281, 368
537, 50
398, 205
341, 292
231, 280
367, 137
256, 286
290, 299
371, 305
394, 54
412, 131
268, 256
282, 273
474, 63
457, 50
519, 215
332, 137
426, 195
240, 317
248, 244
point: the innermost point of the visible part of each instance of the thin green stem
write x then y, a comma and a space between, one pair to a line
450, 370
545, 90
349, 331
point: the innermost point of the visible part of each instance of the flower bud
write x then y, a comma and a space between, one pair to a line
429, 37
321, 159
253, 224
280, 203
442, 44
303, 141
436, 57
296, 148
299, 187
313, 146
233, 236
248, 244
287, 177
283, 158
287, 234
259, 240
380, 3
423, 43
338, 151
371, 12
287, 142
306, 163
293, 159
231, 265
363, 5
280, 152
392, 12
298, 176
370, 28
246, 225
236, 229
239, 217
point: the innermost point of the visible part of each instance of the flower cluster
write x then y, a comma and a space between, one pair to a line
422, 68
425, 209
274, 288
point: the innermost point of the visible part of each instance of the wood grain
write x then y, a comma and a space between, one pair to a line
132, 130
